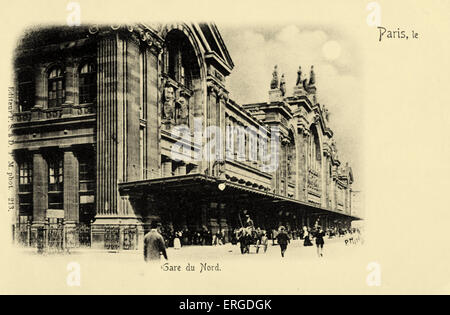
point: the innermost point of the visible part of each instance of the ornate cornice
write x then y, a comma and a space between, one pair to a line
218, 91
139, 34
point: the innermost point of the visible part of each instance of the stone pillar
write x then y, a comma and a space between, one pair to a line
323, 179
71, 89
107, 131
211, 121
167, 167
71, 188
153, 116
333, 188
40, 188
181, 169
132, 95
302, 167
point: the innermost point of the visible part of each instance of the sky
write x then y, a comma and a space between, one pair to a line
337, 65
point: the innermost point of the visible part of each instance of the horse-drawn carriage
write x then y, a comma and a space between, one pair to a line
249, 237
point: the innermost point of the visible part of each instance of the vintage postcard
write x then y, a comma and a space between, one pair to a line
253, 147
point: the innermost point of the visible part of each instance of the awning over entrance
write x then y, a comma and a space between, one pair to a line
204, 187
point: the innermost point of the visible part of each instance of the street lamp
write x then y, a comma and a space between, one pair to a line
221, 180
222, 186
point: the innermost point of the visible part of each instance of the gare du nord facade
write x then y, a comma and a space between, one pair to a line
96, 109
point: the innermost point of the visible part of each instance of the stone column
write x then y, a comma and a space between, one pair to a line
211, 121
40, 188
133, 102
166, 167
153, 116
71, 188
107, 132
181, 169
323, 180
71, 91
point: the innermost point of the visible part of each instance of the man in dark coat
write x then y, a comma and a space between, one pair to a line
154, 244
283, 240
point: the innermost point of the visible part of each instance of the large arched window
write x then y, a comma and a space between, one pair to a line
56, 87
314, 153
88, 83
182, 61
26, 91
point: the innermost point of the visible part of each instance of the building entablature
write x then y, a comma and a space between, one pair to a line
272, 114
281, 107
217, 88
245, 117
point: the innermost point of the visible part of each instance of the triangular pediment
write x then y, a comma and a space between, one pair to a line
213, 43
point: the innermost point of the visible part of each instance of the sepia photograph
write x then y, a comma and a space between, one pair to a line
201, 154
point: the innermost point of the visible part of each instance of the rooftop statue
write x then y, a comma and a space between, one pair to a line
274, 82
312, 77
299, 76
326, 112
283, 85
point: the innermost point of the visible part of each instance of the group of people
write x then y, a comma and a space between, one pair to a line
161, 237
318, 234
184, 237
157, 240
353, 236
247, 236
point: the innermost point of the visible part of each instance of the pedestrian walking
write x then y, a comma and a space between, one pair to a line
154, 244
264, 241
320, 242
243, 239
177, 240
283, 240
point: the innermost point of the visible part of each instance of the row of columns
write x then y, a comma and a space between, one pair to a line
167, 165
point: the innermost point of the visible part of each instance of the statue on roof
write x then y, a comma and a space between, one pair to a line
283, 85
333, 146
274, 82
312, 77
326, 112
299, 76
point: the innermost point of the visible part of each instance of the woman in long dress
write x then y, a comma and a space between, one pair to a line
307, 240
176, 241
